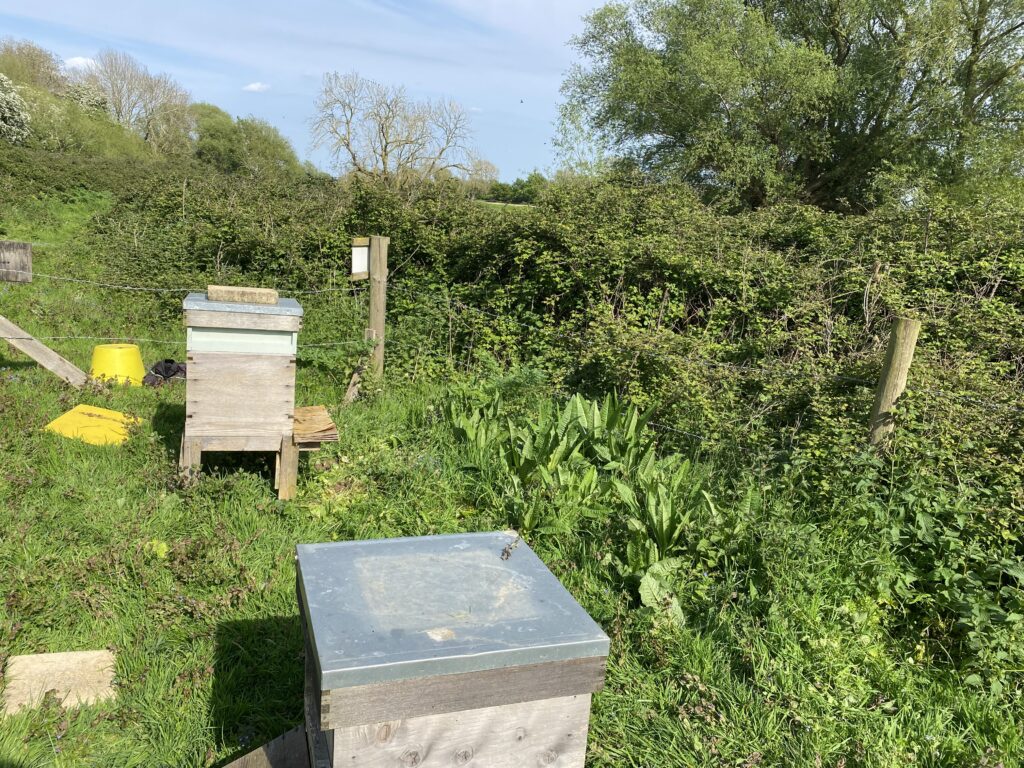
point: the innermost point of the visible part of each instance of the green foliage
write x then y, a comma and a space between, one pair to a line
521, 190
754, 102
76, 123
246, 145
26, 63
14, 116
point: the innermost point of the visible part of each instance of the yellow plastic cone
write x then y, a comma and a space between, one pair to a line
118, 362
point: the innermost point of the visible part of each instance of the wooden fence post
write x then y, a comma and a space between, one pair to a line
378, 299
899, 355
15, 261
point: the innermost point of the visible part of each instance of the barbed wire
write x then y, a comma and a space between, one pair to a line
578, 336
181, 343
353, 289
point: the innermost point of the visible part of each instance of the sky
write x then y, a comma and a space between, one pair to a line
503, 60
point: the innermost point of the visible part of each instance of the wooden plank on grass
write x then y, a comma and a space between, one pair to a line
42, 354
241, 295
78, 677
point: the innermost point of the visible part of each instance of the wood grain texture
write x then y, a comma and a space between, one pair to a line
247, 321
320, 743
378, 300
551, 733
359, 705
288, 469
239, 396
242, 295
313, 424
42, 354
895, 370
15, 261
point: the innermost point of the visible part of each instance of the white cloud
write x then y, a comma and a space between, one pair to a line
79, 62
256, 87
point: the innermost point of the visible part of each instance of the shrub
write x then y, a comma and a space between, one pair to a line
14, 117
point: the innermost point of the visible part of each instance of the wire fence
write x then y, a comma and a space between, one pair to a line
354, 289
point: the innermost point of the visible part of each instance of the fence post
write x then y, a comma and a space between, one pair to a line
898, 356
378, 299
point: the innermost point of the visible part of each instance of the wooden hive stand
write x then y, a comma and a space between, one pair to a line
240, 387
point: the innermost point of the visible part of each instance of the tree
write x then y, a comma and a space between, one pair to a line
759, 99
216, 138
14, 118
25, 62
154, 106
247, 145
482, 175
265, 151
381, 132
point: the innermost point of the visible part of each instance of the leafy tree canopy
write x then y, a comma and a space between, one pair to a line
757, 100
245, 145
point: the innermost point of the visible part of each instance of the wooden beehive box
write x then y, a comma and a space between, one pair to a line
15, 261
240, 390
436, 651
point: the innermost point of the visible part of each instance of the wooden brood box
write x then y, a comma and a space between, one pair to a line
437, 651
240, 390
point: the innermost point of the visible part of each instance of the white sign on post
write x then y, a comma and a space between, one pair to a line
360, 258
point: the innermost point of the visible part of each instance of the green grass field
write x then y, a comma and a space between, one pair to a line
192, 585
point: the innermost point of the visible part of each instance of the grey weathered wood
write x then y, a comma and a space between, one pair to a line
266, 443
551, 732
378, 299
288, 750
320, 743
354, 384
898, 357
15, 261
241, 295
239, 395
343, 707
42, 354
248, 321
191, 455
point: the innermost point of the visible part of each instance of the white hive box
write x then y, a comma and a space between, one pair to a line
240, 386
437, 651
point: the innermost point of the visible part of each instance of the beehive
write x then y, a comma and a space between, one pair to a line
444, 650
240, 390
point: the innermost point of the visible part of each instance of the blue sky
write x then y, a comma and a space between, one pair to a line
504, 60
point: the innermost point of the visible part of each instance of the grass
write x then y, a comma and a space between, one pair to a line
192, 585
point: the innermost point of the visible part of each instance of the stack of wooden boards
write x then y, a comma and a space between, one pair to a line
313, 426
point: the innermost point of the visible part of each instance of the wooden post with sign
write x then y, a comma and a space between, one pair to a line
370, 260
898, 356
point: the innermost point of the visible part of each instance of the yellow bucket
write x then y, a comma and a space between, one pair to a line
118, 362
